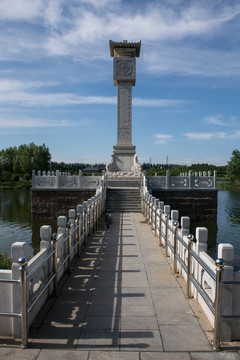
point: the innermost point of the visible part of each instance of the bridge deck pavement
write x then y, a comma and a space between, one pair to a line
122, 301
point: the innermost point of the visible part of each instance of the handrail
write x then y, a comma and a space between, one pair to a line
80, 227
10, 314
166, 230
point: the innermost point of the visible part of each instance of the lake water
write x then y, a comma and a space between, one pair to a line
16, 223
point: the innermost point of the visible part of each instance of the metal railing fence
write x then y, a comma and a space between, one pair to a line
77, 232
167, 229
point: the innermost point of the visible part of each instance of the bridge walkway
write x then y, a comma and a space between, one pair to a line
122, 301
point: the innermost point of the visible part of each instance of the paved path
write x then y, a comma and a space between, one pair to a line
121, 302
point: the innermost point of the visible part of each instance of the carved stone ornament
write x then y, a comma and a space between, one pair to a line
124, 68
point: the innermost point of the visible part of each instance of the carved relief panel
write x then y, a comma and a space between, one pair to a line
124, 70
124, 113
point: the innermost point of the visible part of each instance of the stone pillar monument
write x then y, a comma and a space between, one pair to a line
124, 159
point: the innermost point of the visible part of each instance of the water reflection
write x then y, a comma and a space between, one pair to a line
225, 230
16, 223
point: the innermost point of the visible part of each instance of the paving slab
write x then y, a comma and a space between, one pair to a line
165, 356
99, 339
223, 355
139, 323
18, 354
101, 323
63, 355
113, 355
184, 338
142, 340
121, 301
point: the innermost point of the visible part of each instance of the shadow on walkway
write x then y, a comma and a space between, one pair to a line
121, 295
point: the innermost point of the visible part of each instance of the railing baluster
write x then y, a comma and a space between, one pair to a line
23, 286
55, 265
69, 245
176, 225
189, 266
166, 234
218, 304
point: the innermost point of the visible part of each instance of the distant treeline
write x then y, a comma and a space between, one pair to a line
73, 168
175, 169
17, 163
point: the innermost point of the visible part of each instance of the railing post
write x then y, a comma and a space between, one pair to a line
189, 266
149, 209
166, 235
99, 212
79, 233
57, 180
85, 220
90, 207
55, 265
156, 214
145, 204
93, 214
190, 179
153, 213
215, 180
24, 315
218, 304
160, 227
161, 207
167, 180
176, 225
69, 225
79, 209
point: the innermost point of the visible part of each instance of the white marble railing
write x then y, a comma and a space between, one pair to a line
190, 259
61, 181
196, 181
38, 278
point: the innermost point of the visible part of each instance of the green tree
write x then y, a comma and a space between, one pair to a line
16, 163
41, 157
8, 159
234, 165
25, 159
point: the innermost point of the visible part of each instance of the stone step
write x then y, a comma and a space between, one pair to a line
123, 200
124, 182
123, 210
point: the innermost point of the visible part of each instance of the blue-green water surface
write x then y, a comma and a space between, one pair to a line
16, 223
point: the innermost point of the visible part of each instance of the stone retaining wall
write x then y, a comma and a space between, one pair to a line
197, 204
53, 203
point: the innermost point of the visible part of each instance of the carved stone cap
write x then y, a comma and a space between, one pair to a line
124, 48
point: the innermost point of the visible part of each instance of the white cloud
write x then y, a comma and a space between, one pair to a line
199, 136
15, 92
218, 120
235, 135
162, 138
56, 99
218, 135
30, 123
20, 9
164, 103
176, 36
13, 85
215, 120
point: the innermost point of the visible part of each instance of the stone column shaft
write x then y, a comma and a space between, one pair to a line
124, 116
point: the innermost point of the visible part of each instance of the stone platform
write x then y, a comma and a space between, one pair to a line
121, 301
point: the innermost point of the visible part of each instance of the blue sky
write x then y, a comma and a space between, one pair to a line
56, 77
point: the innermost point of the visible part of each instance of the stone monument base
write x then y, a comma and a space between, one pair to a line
124, 162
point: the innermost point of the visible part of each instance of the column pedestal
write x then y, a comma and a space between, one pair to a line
124, 162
